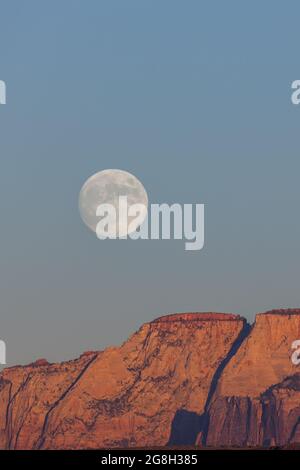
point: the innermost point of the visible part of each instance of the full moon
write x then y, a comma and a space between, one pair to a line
105, 187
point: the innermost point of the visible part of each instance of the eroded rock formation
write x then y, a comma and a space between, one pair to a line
183, 379
244, 409
121, 396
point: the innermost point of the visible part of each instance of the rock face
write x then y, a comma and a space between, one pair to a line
194, 378
281, 417
28, 394
144, 393
253, 400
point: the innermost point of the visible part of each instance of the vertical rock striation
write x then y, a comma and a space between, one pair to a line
29, 393
245, 411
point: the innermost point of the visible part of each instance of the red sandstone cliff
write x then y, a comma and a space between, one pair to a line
121, 396
254, 404
202, 378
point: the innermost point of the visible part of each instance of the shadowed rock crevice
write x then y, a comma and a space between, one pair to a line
56, 403
9, 410
234, 349
188, 426
294, 430
257, 399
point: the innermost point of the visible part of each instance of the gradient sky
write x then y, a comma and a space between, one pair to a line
191, 97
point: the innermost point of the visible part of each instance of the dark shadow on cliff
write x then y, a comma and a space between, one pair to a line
214, 383
186, 425
185, 428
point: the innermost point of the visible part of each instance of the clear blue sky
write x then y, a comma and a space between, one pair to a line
193, 97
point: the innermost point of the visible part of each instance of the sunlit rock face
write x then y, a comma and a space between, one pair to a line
245, 405
27, 396
204, 379
281, 406
134, 395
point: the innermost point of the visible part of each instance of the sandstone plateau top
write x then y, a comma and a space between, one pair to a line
197, 316
281, 311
